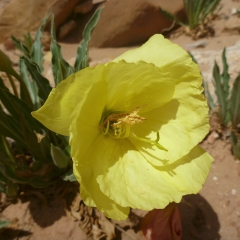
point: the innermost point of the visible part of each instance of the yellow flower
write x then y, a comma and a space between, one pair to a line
134, 125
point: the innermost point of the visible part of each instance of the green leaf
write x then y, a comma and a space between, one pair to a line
235, 145
31, 85
37, 54
59, 157
35, 181
2, 85
3, 179
171, 17
82, 52
24, 136
69, 176
205, 86
12, 189
10, 127
198, 10
225, 75
199, 6
22, 127
234, 104
4, 224
2, 187
222, 96
44, 87
209, 97
210, 7
6, 66
18, 109
193, 58
68, 150
28, 42
5, 150
61, 69
62, 73
20, 46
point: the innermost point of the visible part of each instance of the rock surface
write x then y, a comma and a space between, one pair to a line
84, 7
30, 13
125, 22
66, 28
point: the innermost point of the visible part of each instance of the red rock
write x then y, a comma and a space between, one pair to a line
125, 22
66, 28
19, 17
84, 7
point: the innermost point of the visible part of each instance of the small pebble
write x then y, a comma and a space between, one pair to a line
234, 192
233, 11
215, 178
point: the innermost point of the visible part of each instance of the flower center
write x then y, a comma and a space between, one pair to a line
119, 125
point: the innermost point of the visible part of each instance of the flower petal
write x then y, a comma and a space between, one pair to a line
161, 52
85, 138
56, 113
132, 85
93, 196
180, 126
85, 172
184, 120
130, 180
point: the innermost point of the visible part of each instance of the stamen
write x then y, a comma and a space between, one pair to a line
120, 124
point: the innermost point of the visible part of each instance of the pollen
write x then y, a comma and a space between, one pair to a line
118, 125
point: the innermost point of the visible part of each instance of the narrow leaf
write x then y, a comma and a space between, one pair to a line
31, 85
20, 46
234, 103
198, 10
171, 17
235, 145
6, 66
221, 95
82, 52
5, 150
28, 42
44, 87
225, 75
2, 85
209, 7
10, 127
18, 108
37, 54
61, 69
209, 97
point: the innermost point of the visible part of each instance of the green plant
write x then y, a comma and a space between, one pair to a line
196, 11
3, 224
228, 102
29, 152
